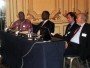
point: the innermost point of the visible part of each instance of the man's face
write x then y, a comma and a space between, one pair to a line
21, 17
44, 16
79, 19
70, 19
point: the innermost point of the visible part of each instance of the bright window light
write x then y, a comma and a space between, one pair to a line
2, 4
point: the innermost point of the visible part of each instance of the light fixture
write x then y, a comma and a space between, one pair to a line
2, 4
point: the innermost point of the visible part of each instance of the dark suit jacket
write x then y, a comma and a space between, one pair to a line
83, 49
50, 25
69, 33
85, 42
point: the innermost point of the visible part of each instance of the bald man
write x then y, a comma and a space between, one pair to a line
80, 42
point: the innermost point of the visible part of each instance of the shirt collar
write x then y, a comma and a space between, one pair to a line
72, 23
82, 24
45, 21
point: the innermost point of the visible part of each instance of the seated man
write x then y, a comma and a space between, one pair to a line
80, 43
45, 23
71, 27
21, 24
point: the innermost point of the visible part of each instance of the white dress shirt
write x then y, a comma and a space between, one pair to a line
76, 37
71, 24
38, 33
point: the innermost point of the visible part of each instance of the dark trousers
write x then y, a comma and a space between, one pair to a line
72, 50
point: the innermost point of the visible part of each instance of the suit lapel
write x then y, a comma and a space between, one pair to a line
70, 28
46, 24
83, 31
67, 29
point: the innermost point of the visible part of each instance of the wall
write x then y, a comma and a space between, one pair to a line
34, 8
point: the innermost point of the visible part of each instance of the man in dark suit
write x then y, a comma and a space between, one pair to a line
45, 23
71, 27
84, 37
79, 43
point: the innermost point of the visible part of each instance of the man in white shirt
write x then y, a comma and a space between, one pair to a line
80, 42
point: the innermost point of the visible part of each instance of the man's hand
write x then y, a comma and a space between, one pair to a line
66, 44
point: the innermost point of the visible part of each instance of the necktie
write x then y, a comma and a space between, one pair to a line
77, 30
69, 26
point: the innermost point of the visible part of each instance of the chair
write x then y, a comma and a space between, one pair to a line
87, 63
71, 58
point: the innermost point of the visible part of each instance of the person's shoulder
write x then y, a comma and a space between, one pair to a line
50, 21
87, 24
17, 21
27, 20
40, 22
75, 25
